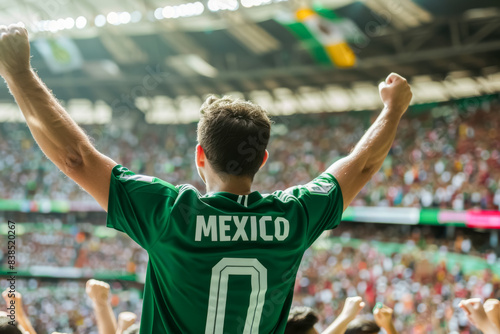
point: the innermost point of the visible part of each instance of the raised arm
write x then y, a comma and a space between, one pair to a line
98, 292
15, 300
352, 307
355, 170
59, 137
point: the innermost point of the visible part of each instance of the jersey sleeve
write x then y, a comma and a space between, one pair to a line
322, 202
139, 205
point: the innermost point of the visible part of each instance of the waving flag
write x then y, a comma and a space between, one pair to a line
324, 35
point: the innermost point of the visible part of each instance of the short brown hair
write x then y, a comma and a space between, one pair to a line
362, 326
234, 135
300, 320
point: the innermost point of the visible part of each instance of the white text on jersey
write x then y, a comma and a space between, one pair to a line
218, 228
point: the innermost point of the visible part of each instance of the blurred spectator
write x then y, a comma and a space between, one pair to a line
301, 320
6, 327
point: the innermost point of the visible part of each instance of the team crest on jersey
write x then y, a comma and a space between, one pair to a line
320, 187
137, 177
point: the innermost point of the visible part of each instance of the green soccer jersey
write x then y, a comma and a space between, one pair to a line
220, 263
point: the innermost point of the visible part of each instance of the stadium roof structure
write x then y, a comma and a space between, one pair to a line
103, 49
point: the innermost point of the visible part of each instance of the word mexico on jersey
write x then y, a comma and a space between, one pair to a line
241, 228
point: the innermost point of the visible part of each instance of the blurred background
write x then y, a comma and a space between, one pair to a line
421, 236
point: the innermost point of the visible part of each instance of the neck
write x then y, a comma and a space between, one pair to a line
231, 184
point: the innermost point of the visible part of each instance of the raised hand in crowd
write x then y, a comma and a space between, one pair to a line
477, 316
352, 307
98, 292
15, 300
492, 309
125, 320
383, 318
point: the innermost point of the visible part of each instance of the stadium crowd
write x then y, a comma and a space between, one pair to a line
54, 245
443, 156
78, 247
424, 295
408, 281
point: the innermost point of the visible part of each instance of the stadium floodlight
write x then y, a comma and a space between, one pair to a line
61, 24
100, 20
135, 17
69, 23
253, 3
169, 12
52, 26
113, 18
45, 25
159, 13
124, 17
198, 8
216, 5
184, 10
80, 22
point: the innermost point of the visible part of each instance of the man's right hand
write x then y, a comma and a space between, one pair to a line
98, 291
395, 93
14, 50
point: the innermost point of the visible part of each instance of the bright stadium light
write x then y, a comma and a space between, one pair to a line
69, 23
216, 5
124, 17
253, 3
169, 12
100, 20
113, 18
45, 25
135, 16
184, 10
158, 13
61, 23
52, 26
198, 8
80, 22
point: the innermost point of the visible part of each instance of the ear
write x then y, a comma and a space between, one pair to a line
200, 156
266, 155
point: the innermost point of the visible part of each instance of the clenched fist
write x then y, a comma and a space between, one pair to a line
383, 317
125, 320
16, 297
492, 309
477, 316
395, 93
352, 307
98, 291
14, 50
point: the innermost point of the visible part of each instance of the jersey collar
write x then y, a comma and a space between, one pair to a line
244, 200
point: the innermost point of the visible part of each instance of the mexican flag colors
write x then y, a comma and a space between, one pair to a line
324, 35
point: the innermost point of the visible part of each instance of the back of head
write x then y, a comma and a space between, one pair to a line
6, 326
362, 326
234, 135
301, 320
